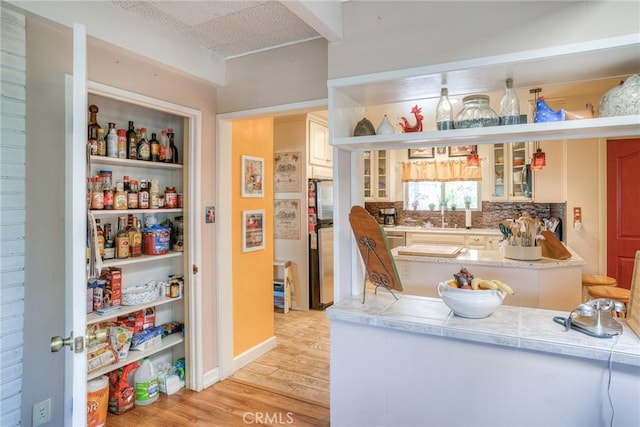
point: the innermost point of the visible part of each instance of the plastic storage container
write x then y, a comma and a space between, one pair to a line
476, 112
97, 401
146, 383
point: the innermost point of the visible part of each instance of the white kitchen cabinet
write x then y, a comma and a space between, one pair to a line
320, 152
508, 171
119, 107
378, 180
465, 238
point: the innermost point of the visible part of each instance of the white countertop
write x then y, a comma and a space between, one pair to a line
493, 258
521, 327
438, 230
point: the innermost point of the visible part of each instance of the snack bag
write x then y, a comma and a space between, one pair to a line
121, 393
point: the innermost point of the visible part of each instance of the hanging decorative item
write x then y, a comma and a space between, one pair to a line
539, 158
406, 127
364, 127
622, 100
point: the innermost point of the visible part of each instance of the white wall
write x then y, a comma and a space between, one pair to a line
286, 75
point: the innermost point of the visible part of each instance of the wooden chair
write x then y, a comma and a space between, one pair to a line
589, 280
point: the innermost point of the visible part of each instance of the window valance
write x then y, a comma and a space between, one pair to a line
441, 171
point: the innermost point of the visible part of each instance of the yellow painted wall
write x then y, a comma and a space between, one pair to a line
252, 271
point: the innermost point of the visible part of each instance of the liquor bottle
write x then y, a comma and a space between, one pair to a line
509, 105
122, 239
100, 233
144, 149
109, 245
112, 141
93, 126
172, 146
135, 238
132, 142
444, 112
155, 148
102, 143
164, 145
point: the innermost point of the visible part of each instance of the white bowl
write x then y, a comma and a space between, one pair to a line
469, 303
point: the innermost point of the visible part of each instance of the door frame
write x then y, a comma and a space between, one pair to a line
224, 272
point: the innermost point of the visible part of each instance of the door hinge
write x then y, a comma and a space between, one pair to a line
194, 269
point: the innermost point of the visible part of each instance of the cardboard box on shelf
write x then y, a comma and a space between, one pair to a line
113, 286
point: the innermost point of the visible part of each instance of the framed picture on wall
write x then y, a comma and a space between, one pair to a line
287, 172
252, 176
462, 150
421, 153
253, 230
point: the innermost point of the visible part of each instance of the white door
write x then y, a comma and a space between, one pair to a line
75, 370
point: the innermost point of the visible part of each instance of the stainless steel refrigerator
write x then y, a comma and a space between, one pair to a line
320, 193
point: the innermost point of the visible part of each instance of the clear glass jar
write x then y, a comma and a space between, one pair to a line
476, 112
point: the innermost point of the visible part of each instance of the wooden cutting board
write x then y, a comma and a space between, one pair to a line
381, 266
552, 247
431, 250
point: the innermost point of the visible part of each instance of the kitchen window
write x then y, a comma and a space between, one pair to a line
425, 195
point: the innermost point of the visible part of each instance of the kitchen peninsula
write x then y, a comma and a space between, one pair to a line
412, 362
545, 283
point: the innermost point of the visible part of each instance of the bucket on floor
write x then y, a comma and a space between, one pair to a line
97, 401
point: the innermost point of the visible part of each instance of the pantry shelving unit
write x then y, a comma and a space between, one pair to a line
119, 106
350, 99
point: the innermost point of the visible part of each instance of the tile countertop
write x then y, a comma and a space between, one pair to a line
493, 258
520, 327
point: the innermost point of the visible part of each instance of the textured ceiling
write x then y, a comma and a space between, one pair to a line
228, 28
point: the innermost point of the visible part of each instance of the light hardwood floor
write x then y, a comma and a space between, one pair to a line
287, 386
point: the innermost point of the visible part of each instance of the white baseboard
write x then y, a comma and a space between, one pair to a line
213, 376
253, 353
210, 378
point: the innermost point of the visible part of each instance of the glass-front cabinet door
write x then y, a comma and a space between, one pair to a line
511, 176
499, 156
376, 175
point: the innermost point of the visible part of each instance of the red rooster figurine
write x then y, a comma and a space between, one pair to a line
404, 124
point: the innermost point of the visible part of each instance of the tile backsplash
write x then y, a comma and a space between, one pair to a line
489, 217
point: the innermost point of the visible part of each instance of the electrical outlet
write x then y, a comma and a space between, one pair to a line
405, 271
41, 413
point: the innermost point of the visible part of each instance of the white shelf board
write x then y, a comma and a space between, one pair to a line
126, 309
140, 259
112, 161
135, 355
568, 129
571, 63
103, 212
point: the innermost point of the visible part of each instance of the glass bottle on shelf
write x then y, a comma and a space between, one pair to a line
155, 148
92, 127
164, 144
132, 142
120, 197
135, 237
101, 143
509, 105
112, 141
109, 245
444, 112
122, 239
143, 195
174, 150
144, 149
132, 195
97, 193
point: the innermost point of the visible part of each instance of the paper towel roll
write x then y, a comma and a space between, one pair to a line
467, 218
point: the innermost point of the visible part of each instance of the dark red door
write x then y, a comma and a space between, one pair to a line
623, 208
